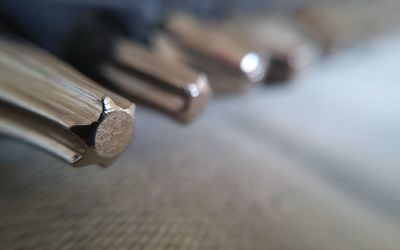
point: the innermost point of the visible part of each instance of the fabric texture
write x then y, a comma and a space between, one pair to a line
309, 166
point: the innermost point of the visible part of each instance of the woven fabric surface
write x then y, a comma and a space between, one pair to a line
266, 170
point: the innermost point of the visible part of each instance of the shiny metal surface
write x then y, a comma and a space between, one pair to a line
48, 104
230, 66
305, 167
143, 76
278, 37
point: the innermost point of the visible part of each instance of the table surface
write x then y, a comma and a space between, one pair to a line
313, 165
